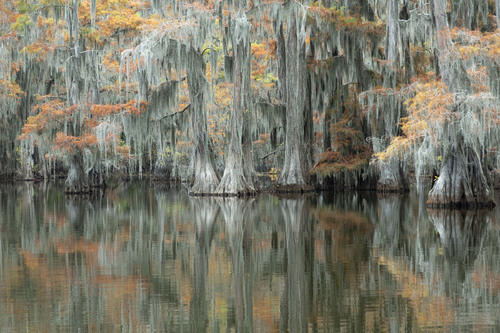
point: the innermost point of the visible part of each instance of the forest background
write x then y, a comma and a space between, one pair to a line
366, 94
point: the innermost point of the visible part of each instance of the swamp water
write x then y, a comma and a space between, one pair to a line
139, 258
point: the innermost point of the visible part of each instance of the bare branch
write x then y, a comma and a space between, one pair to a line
173, 114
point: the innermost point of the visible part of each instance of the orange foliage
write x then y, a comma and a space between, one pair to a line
10, 90
73, 143
53, 114
428, 112
112, 109
350, 152
476, 44
342, 20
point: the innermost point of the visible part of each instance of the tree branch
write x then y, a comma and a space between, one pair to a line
173, 114
272, 153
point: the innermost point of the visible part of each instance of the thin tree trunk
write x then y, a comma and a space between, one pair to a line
404, 18
281, 56
246, 88
77, 181
497, 13
392, 32
205, 178
308, 122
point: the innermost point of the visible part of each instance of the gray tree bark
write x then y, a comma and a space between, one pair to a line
391, 177
77, 181
392, 32
234, 181
281, 57
293, 176
497, 12
205, 178
461, 181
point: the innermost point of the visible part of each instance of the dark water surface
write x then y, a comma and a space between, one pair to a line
138, 258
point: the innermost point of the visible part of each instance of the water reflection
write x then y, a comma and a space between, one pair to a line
461, 236
239, 228
205, 211
295, 301
139, 257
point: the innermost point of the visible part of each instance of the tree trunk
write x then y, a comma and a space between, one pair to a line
246, 88
205, 178
308, 122
234, 181
281, 57
497, 13
293, 176
391, 178
461, 183
77, 180
392, 32
404, 18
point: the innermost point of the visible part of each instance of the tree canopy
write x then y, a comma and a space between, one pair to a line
226, 94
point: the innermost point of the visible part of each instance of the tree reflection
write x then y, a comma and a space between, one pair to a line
461, 234
389, 227
239, 230
295, 302
138, 258
205, 212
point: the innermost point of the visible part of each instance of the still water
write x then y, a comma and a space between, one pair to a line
140, 258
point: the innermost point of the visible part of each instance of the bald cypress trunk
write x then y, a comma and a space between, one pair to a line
205, 178
392, 32
77, 181
293, 176
461, 181
391, 177
234, 182
404, 17
281, 58
497, 12
246, 88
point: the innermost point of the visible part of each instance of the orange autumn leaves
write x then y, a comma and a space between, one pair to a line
433, 107
54, 115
